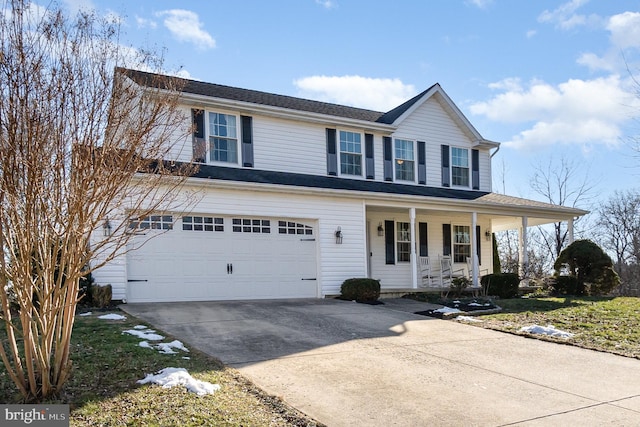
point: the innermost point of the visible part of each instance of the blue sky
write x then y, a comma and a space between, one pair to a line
547, 79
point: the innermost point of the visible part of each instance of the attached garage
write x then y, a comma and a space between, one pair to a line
216, 257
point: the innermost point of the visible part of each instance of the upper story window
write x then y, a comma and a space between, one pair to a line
459, 166
404, 160
223, 138
350, 153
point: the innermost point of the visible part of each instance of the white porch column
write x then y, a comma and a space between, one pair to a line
474, 251
570, 230
414, 258
523, 267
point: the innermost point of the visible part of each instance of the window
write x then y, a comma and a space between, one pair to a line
223, 138
460, 166
202, 223
403, 241
350, 153
288, 227
404, 160
251, 225
461, 243
151, 222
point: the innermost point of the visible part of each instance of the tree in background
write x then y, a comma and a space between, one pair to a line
591, 267
561, 182
73, 138
618, 230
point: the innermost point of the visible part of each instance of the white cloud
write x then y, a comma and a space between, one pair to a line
185, 26
580, 112
327, 4
531, 33
479, 3
564, 16
145, 23
625, 30
357, 91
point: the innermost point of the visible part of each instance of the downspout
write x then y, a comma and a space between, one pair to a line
495, 152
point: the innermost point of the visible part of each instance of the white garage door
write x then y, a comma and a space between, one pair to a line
209, 257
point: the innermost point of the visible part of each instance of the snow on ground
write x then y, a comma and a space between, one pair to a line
447, 310
88, 313
112, 316
170, 377
165, 347
546, 330
146, 334
139, 327
467, 319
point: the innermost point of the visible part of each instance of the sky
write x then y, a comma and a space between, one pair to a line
549, 80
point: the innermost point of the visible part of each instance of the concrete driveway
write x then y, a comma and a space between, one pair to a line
348, 364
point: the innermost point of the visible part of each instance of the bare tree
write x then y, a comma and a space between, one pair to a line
619, 233
78, 146
561, 182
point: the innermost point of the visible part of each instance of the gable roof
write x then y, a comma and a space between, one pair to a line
253, 96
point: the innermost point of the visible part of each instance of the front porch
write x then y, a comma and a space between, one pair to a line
407, 243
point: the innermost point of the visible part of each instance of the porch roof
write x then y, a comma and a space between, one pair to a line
506, 211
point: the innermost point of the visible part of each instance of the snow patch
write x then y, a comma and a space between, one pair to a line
467, 319
546, 330
139, 327
171, 377
447, 310
167, 348
147, 334
112, 316
88, 313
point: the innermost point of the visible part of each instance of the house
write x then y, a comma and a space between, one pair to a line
298, 195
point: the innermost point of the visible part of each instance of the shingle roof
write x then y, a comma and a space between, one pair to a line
255, 97
317, 181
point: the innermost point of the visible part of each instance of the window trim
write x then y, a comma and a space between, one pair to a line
403, 242
453, 166
340, 152
457, 244
395, 159
208, 136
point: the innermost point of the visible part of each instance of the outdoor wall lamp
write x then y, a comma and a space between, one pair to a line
487, 234
106, 227
338, 235
380, 230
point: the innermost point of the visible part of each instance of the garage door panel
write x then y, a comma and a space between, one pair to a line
188, 265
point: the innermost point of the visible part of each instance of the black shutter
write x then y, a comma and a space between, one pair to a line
368, 154
478, 244
199, 142
388, 158
475, 169
332, 156
389, 243
247, 141
446, 239
422, 162
446, 182
423, 238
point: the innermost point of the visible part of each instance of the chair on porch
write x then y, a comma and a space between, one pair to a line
428, 278
476, 290
447, 273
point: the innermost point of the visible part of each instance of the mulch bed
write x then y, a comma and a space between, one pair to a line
466, 307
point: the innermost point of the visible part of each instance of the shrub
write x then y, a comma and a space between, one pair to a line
360, 289
590, 265
567, 285
501, 285
459, 284
101, 296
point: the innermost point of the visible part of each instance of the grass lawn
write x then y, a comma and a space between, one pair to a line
103, 389
606, 324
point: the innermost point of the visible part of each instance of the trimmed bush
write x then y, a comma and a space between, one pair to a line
590, 265
101, 296
458, 285
360, 289
501, 285
567, 285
